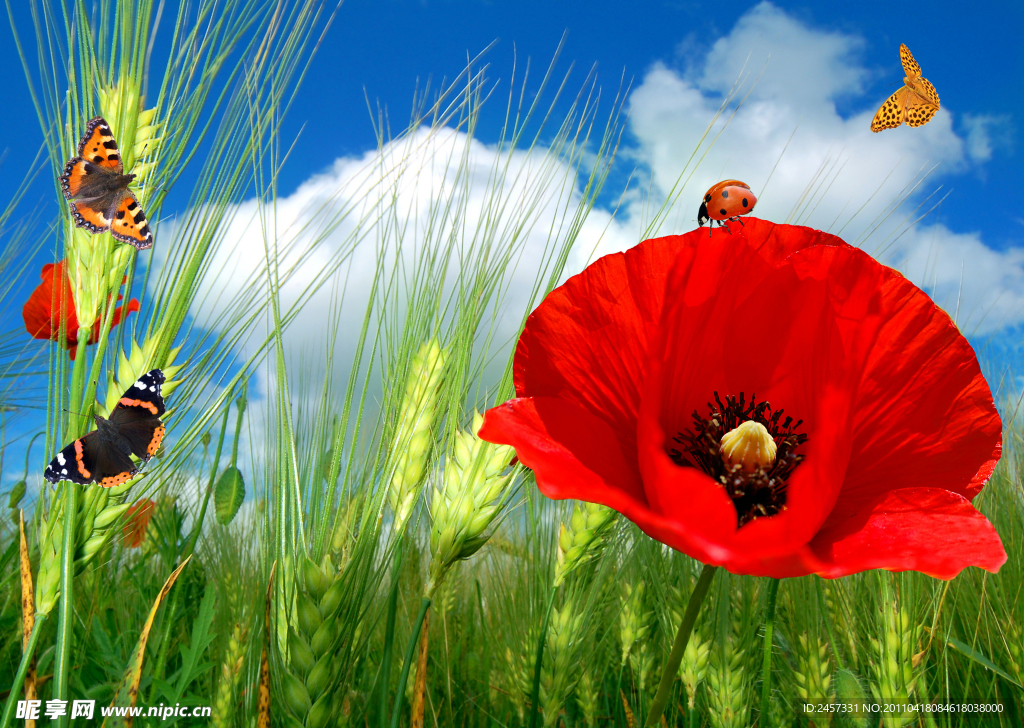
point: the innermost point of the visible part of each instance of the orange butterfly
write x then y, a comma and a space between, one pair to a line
97, 187
915, 103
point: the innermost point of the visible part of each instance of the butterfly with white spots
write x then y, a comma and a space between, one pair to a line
103, 456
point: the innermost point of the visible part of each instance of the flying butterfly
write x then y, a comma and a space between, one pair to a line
915, 103
95, 184
104, 455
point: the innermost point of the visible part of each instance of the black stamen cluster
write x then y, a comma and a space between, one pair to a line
756, 494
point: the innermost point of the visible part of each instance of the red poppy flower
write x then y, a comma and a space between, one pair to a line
630, 373
45, 308
136, 523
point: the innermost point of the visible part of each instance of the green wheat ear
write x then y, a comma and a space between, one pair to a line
230, 677
694, 666
581, 541
97, 263
98, 513
414, 433
895, 676
587, 697
729, 684
813, 676
518, 673
635, 618
1014, 642
143, 358
310, 666
474, 489
560, 669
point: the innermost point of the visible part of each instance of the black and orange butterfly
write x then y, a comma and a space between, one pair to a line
97, 187
104, 455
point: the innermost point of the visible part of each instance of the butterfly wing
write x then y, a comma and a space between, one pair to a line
98, 146
910, 67
76, 462
137, 414
145, 396
144, 436
890, 115
919, 110
924, 87
112, 467
93, 218
129, 224
75, 177
90, 459
90, 180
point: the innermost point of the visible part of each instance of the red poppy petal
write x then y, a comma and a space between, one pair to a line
574, 454
930, 530
799, 339
37, 318
926, 416
133, 305
36, 311
586, 343
587, 340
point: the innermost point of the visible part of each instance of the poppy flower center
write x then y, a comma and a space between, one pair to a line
747, 448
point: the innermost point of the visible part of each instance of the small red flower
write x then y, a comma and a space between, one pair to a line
630, 373
136, 523
46, 307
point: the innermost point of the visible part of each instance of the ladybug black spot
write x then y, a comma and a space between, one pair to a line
723, 212
745, 202
725, 194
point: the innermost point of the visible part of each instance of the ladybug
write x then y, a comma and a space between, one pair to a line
726, 201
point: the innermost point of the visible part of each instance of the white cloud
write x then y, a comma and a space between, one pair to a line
812, 165
434, 189
991, 294
826, 170
985, 131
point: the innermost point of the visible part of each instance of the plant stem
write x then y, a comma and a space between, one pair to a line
65, 617
535, 691
697, 596
172, 607
769, 625
823, 606
410, 652
389, 631
419, 687
617, 705
65, 621
485, 697
19, 677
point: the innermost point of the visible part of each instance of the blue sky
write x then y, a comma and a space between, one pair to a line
826, 66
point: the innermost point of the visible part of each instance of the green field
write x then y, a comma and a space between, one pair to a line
356, 555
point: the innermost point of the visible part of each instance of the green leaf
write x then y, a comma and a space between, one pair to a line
970, 652
17, 493
191, 669
228, 495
